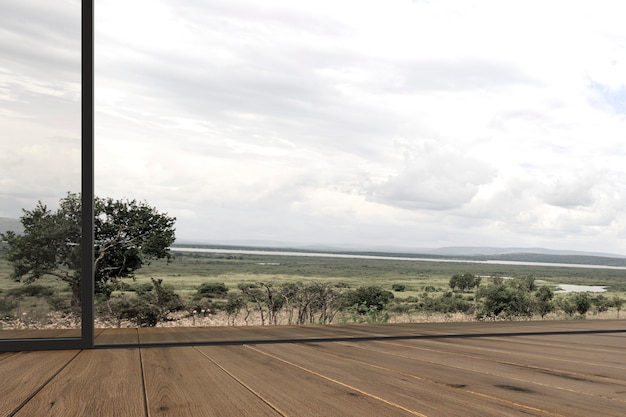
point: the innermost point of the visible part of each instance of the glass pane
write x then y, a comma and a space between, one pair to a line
389, 128
40, 168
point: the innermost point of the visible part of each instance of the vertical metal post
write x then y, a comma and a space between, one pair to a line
87, 169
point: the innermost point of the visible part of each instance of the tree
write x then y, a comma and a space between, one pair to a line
127, 233
617, 303
464, 282
582, 302
366, 298
504, 300
542, 302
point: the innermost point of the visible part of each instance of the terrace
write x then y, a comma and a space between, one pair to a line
555, 368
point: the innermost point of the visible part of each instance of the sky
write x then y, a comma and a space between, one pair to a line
414, 124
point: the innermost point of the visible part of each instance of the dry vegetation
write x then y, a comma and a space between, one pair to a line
420, 293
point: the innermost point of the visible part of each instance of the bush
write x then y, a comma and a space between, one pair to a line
464, 282
447, 303
366, 298
142, 288
151, 305
7, 307
32, 290
503, 300
211, 289
398, 287
582, 302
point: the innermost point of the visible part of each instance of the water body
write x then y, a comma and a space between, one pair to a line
397, 258
580, 288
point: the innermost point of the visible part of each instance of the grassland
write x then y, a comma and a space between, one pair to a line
186, 271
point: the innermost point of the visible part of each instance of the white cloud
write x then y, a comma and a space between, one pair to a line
415, 122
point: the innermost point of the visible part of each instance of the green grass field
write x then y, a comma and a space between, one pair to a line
188, 270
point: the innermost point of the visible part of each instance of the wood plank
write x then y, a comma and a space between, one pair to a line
158, 335
38, 333
206, 334
122, 336
546, 389
181, 382
296, 392
27, 372
101, 382
550, 356
419, 392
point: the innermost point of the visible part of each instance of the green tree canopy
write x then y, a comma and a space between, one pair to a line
127, 233
365, 298
464, 282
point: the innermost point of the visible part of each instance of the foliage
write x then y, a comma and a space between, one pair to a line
582, 302
7, 306
566, 305
366, 298
618, 303
149, 307
211, 289
448, 302
508, 298
32, 290
542, 302
398, 287
600, 303
126, 234
464, 282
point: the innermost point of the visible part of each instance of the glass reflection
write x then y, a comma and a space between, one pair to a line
40, 163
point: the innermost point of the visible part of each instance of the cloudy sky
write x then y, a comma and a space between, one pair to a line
405, 123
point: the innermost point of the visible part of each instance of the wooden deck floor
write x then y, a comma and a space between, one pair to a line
574, 368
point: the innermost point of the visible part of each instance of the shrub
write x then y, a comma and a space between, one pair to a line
464, 282
398, 287
582, 302
366, 298
503, 300
142, 287
151, 305
7, 307
211, 289
32, 290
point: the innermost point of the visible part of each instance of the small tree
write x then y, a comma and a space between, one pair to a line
464, 282
567, 305
542, 302
150, 306
211, 289
503, 300
582, 302
617, 303
126, 234
366, 298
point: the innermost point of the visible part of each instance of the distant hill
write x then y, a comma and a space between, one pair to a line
559, 259
459, 252
489, 251
13, 225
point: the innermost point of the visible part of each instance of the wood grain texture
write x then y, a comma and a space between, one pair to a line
296, 392
449, 369
96, 383
116, 336
182, 382
24, 373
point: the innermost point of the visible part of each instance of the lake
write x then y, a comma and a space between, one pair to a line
390, 257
